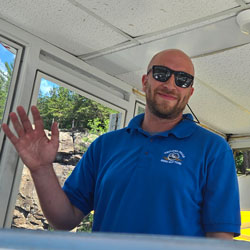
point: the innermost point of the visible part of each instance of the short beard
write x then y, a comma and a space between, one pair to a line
155, 109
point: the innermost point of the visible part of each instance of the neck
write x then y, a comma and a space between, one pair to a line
154, 124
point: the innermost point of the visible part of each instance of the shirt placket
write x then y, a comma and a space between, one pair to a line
146, 155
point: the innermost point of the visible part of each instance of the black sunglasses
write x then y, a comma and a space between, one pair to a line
162, 74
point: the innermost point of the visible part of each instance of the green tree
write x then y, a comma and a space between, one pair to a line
58, 106
67, 108
5, 79
242, 161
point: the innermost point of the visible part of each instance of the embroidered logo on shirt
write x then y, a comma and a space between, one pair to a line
173, 156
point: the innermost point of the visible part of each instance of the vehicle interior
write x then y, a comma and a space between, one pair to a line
101, 49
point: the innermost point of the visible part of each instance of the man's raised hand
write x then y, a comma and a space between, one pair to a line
34, 147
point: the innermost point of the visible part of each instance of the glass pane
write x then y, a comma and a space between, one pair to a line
7, 59
80, 120
139, 108
242, 161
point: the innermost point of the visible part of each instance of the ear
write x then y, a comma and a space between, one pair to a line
144, 82
191, 91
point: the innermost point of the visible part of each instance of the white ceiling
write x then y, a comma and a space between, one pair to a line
120, 36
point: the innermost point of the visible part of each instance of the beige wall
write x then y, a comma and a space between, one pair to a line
244, 185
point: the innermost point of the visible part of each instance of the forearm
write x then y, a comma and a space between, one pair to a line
56, 206
221, 235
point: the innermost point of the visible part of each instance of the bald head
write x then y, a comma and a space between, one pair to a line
167, 99
174, 59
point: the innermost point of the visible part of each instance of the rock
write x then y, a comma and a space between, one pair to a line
39, 216
17, 214
66, 142
21, 222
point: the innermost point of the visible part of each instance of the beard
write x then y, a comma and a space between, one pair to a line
163, 109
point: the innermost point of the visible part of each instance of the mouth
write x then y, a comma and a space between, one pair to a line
167, 96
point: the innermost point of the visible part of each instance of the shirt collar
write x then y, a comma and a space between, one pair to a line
184, 128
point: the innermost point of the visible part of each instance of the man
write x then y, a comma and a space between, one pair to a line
162, 174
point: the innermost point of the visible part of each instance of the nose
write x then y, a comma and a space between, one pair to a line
170, 83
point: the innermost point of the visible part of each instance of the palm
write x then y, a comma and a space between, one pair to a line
34, 147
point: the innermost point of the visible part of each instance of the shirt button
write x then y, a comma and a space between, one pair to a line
151, 140
146, 153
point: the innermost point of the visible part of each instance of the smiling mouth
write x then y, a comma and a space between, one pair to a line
167, 96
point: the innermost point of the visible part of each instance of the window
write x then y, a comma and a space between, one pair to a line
139, 108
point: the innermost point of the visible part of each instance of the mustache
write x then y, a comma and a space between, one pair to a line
162, 90
167, 92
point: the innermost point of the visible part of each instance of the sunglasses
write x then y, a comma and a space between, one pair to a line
162, 74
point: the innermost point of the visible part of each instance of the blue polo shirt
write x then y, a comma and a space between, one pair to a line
178, 182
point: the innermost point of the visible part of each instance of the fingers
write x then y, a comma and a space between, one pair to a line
24, 126
16, 124
37, 118
24, 119
9, 134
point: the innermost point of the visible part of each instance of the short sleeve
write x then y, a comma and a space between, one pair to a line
80, 185
221, 209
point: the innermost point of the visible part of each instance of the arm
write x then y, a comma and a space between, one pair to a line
56, 206
221, 207
38, 153
221, 235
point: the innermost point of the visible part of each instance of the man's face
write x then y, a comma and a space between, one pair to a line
165, 99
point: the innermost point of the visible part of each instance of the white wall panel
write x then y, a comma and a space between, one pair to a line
244, 186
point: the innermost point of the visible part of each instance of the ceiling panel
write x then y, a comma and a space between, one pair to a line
206, 39
61, 23
228, 72
133, 78
214, 22
139, 17
217, 112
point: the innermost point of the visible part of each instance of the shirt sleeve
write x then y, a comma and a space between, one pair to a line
221, 209
80, 185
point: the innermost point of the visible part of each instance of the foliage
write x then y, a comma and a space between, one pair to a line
239, 161
86, 224
5, 79
71, 110
98, 126
242, 161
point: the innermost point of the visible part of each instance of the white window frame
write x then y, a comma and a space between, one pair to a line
8, 158
13, 83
